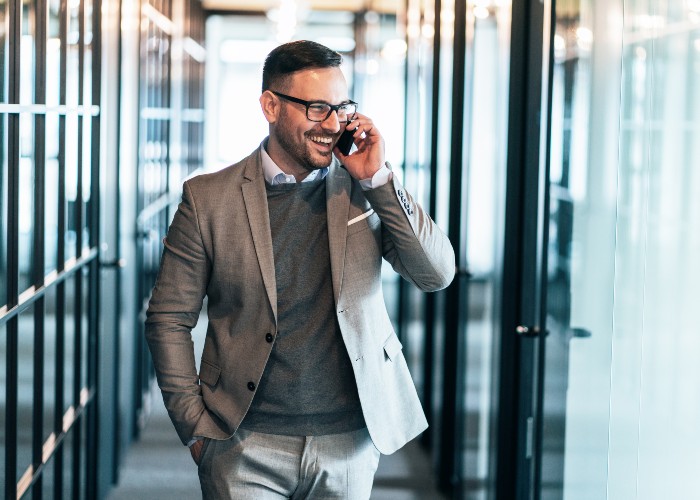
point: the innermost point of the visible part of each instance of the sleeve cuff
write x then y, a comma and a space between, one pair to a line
193, 441
380, 177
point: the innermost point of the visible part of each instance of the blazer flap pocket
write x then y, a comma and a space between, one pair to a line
392, 347
209, 374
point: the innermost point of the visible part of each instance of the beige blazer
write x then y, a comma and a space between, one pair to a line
219, 246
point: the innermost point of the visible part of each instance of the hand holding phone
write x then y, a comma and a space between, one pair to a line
368, 156
346, 141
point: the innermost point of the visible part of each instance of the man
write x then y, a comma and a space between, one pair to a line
302, 381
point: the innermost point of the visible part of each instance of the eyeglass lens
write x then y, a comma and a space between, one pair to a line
320, 112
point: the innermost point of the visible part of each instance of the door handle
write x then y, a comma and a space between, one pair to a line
579, 333
530, 331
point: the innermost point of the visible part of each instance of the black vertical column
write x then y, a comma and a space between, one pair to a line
79, 276
525, 234
430, 310
39, 10
453, 397
14, 41
93, 347
59, 396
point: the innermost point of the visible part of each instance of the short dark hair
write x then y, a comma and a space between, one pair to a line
295, 56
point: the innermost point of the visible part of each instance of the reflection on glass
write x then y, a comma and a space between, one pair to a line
3, 165
73, 55
25, 390
87, 179
418, 58
379, 72
26, 218
581, 254
653, 383
446, 19
49, 383
3, 209
84, 326
3, 394
486, 164
71, 152
51, 242
69, 345
620, 402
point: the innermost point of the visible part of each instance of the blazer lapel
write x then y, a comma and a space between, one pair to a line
255, 199
338, 185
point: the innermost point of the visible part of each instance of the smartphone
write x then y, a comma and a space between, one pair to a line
346, 141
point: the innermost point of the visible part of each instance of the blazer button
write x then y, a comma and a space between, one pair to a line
269, 338
251, 386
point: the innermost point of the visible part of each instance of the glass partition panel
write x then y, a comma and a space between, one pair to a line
4, 195
620, 398
25, 392
418, 117
655, 371
4, 360
581, 252
488, 93
446, 20
26, 202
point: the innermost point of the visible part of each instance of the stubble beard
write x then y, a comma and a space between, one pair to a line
300, 152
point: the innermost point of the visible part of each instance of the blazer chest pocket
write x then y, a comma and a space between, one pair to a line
209, 374
364, 221
392, 348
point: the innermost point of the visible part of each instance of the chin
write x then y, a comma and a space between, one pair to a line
318, 162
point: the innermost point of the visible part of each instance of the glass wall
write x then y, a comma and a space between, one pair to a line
456, 144
489, 24
49, 188
417, 168
620, 399
166, 139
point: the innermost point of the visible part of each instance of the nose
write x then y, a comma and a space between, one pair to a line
332, 123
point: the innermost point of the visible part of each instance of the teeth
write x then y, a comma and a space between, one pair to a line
322, 140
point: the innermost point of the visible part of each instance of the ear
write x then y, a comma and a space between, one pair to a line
270, 105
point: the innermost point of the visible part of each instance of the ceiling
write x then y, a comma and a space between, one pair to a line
389, 6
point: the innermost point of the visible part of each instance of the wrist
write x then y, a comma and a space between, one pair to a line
379, 178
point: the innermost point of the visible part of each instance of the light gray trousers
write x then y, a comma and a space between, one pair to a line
257, 466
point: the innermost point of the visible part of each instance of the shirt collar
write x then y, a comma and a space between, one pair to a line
274, 175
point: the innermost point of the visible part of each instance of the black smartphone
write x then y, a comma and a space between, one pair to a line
345, 141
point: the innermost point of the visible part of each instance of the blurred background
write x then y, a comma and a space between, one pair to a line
554, 142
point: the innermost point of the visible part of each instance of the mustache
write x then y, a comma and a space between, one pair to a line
311, 133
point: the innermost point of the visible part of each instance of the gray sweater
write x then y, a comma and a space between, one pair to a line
308, 387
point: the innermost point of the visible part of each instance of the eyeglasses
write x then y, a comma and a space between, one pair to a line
318, 111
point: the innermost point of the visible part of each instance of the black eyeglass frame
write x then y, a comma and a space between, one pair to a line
331, 107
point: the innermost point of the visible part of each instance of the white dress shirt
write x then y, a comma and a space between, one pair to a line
274, 175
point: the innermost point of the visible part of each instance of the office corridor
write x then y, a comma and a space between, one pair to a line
554, 143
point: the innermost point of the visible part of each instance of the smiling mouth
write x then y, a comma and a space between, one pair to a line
322, 140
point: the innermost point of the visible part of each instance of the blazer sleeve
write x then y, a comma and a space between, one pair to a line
411, 241
173, 311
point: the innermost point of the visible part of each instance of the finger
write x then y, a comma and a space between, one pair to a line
364, 129
338, 154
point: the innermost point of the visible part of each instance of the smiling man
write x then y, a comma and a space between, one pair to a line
302, 381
